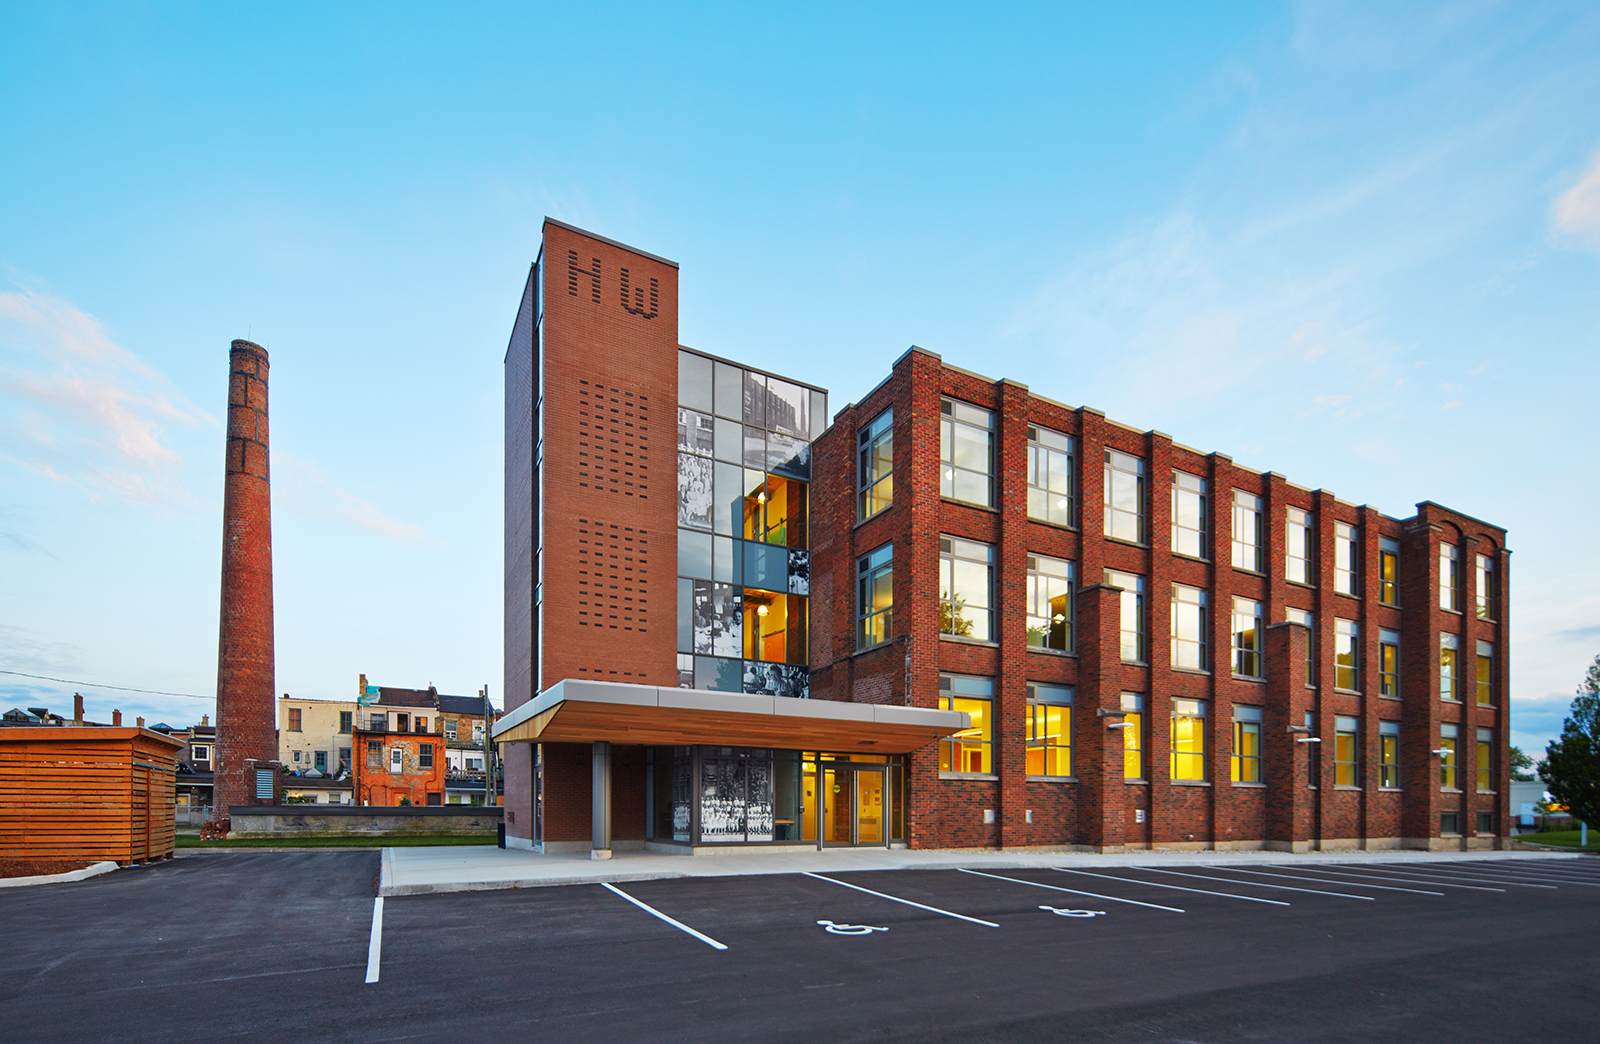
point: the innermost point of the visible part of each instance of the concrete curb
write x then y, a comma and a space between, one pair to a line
92, 870
475, 879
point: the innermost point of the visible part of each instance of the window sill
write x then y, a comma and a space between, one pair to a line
1140, 544
1449, 699
969, 775
1135, 663
969, 503
873, 648
1349, 594
1349, 692
1454, 612
1347, 786
1050, 779
1249, 572
1488, 792
1249, 678
1385, 696
1190, 782
1303, 585
1065, 526
1136, 782
1391, 605
1201, 671
1486, 706
968, 641
1249, 786
1389, 790
1449, 790
1191, 558
1051, 652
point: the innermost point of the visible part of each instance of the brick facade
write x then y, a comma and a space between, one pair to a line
1097, 807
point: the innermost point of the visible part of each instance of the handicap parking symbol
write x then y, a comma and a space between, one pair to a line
850, 929
1073, 913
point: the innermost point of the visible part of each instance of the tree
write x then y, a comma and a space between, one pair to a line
1571, 766
1521, 766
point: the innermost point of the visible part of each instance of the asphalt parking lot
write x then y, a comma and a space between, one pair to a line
258, 946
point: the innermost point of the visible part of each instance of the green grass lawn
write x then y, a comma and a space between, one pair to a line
405, 841
1563, 839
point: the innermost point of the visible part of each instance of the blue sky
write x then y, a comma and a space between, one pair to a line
1355, 244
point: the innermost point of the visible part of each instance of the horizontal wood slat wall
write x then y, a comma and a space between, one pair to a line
87, 793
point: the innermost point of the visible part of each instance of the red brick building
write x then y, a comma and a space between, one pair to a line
1017, 623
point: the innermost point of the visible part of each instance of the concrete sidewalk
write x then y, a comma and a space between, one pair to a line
418, 871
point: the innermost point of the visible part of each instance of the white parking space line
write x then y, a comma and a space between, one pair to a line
1428, 874
1324, 880
908, 902
1403, 880
647, 908
375, 941
1465, 874
1072, 891
1259, 884
1542, 875
1176, 888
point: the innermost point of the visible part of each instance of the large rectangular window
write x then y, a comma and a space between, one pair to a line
972, 749
1052, 477
1346, 559
1132, 622
1124, 506
1309, 620
1313, 751
1449, 667
1389, 754
1052, 583
1132, 729
1346, 654
346, 722
1486, 759
1190, 523
875, 466
966, 588
1346, 750
875, 597
1188, 739
1246, 531
1485, 673
1388, 571
1246, 744
294, 719
1449, 577
966, 453
1299, 540
1388, 662
1189, 627
1448, 734
1484, 586
425, 755
1049, 749
1247, 638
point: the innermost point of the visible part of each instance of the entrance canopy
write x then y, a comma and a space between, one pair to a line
577, 711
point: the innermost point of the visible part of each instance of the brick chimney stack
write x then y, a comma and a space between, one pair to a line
116, 719
246, 722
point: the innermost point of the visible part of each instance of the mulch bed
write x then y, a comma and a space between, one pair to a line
40, 867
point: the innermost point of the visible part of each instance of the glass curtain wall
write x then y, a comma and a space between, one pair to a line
744, 561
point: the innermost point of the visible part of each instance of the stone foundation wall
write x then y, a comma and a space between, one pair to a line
308, 820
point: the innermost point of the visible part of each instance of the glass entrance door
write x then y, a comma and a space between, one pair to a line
853, 806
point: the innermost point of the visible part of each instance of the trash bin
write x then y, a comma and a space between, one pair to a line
502, 835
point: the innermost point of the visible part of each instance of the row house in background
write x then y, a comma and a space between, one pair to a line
419, 745
1155, 646
316, 737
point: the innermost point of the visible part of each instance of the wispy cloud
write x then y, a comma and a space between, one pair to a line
1580, 634
79, 408
1575, 214
301, 486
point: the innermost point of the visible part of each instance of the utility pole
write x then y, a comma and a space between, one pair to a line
488, 756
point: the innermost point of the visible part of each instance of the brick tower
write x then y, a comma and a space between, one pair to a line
246, 723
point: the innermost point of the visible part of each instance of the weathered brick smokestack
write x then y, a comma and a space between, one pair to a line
246, 722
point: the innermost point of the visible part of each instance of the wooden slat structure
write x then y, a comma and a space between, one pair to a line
87, 793
574, 711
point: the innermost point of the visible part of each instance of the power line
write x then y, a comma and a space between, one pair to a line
96, 685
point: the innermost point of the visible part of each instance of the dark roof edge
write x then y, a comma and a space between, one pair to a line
611, 242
